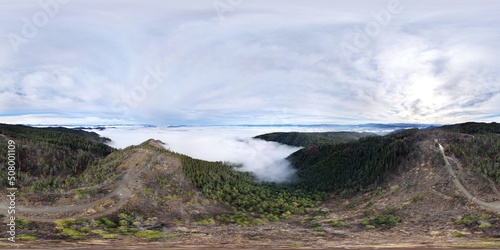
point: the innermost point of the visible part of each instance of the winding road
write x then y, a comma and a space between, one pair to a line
493, 206
122, 193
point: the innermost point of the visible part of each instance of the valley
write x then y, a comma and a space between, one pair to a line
413, 188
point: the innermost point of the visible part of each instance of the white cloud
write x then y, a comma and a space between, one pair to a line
265, 159
432, 61
229, 143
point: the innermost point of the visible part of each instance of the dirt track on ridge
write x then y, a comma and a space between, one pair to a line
122, 193
493, 206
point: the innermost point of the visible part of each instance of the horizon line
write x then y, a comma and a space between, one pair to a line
404, 124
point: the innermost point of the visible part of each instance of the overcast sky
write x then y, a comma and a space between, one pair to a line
249, 61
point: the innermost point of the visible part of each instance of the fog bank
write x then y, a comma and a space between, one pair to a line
264, 159
231, 143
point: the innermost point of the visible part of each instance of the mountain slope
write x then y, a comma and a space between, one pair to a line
303, 139
473, 128
352, 166
49, 157
397, 185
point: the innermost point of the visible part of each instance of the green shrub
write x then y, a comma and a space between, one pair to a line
153, 234
110, 236
417, 197
368, 212
484, 216
27, 236
98, 231
22, 223
85, 192
466, 220
85, 229
72, 233
390, 210
367, 223
286, 215
485, 225
69, 223
319, 212
104, 234
126, 217
385, 221
108, 223
337, 223
176, 221
206, 221
127, 230
311, 219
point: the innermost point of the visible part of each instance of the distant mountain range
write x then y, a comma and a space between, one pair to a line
383, 125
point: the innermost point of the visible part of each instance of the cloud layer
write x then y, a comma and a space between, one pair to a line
188, 62
264, 159
229, 143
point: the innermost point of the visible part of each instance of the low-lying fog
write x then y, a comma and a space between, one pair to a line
234, 144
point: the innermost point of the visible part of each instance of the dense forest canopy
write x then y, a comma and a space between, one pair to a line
46, 156
242, 191
473, 128
351, 166
304, 139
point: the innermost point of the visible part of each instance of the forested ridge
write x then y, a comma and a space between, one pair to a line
473, 128
242, 191
305, 139
479, 152
50, 157
352, 166
355, 165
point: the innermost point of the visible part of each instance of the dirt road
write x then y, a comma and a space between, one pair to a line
122, 193
493, 206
